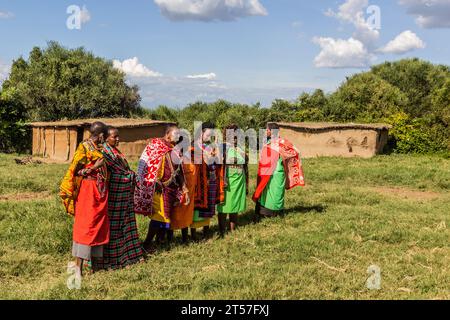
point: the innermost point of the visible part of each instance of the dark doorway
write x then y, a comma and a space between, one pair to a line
80, 133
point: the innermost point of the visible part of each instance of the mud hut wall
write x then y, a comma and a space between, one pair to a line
133, 140
334, 143
58, 143
36, 142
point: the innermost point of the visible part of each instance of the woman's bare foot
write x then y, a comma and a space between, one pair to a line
148, 248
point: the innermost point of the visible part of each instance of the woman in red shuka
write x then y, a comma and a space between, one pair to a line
85, 195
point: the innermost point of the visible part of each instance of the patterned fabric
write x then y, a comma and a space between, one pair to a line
124, 246
149, 166
85, 156
204, 171
168, 191
210, 211
292, 163
270, 155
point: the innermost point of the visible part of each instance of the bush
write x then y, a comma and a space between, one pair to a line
412, 135
56, 83
14, 134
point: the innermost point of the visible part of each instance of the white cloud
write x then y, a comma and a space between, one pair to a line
6, 15
210, 10
133, 68
339, 53
180, 91
403, 43
360, 50
355, 52
354, 12
429, 13
207, 76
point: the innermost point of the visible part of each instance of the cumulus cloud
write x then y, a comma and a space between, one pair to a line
354, 12
403, 43
429, 13
360, 50
133, 68
355, 52
207, 76
210, 10
6, 15
339, 53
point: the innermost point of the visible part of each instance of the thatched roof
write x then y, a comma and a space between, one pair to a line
116, 122
321, 126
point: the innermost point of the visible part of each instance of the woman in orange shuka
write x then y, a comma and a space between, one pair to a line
85, 195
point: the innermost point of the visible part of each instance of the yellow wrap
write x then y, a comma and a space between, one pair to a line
158, 200
86, 154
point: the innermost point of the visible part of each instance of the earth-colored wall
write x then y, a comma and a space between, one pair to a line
337, 143
60, 143
54, 143
134, 140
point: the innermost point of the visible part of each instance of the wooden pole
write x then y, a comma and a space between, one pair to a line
68, 144
39, 142
45, 144
54, 141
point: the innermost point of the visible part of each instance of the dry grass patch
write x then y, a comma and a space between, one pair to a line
26, 196
407, 194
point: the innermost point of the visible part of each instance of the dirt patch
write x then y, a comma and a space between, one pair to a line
408, 194
26, 196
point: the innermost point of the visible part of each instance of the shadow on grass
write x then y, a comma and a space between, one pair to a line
247, 218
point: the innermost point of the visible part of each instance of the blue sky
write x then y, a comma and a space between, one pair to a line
180, 51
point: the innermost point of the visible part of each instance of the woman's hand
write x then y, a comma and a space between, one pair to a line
99, 163
84, 172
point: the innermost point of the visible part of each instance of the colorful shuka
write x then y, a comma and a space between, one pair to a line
124, 247
85, 195
209, 188
280, 169
159, 185
235, 181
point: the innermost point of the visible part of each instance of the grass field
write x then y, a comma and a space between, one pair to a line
391, 211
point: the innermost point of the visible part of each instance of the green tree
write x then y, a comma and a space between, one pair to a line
162, 113
14, 134
312, 106
365, 97
417, 79
57, 83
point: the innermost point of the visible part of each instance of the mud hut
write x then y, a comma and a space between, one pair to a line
59, 140
335, 139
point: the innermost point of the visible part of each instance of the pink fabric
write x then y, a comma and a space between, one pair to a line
268, 162
149, 166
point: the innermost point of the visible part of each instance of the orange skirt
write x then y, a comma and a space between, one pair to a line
183, 215
91, 226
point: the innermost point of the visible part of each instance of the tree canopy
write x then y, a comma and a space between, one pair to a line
57, 83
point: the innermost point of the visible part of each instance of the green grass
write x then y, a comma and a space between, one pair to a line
334, 229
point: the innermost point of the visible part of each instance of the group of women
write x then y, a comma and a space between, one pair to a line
176, 192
